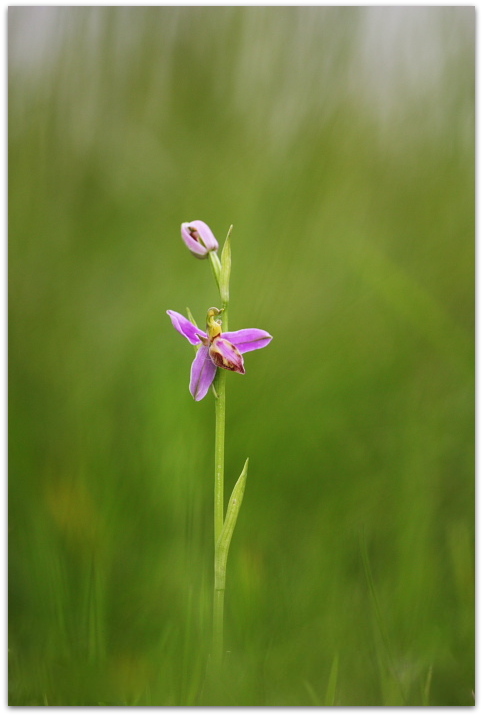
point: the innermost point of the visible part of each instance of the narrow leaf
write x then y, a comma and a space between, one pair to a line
313, 694
216, 266
223, 544
190, 316
332, 683
427, 686
226, 268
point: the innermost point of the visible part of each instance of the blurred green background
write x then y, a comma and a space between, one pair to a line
340, 144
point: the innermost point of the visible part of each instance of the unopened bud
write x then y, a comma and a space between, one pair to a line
199, 238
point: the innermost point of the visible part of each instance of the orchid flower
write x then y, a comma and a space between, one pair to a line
216, 349
199, 238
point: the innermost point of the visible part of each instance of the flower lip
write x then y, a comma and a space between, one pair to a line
225, 355
199, 238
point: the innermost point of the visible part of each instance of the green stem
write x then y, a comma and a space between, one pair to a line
220, 412
220, 406
218, 606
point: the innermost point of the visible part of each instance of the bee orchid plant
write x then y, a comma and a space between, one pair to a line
217, 350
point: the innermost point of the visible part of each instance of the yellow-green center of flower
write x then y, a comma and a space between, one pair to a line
213, 326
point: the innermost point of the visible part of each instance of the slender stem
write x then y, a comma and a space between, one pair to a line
218, 606
219, 594
220, 406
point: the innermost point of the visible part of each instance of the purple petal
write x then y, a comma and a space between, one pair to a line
248, 339
186, 328
225, 355
199, 238
202, 374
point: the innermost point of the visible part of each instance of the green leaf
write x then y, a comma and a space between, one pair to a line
216, 266
332, 683
190, 316
226, 268
223, 544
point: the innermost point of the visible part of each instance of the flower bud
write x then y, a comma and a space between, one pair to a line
199, 238
225, 355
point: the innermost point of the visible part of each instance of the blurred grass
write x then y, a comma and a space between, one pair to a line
340, 144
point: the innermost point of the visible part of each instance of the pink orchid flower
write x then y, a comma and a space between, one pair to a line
217, 349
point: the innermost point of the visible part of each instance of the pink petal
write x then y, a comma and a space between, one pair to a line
202, 374
248, 339
186, 328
